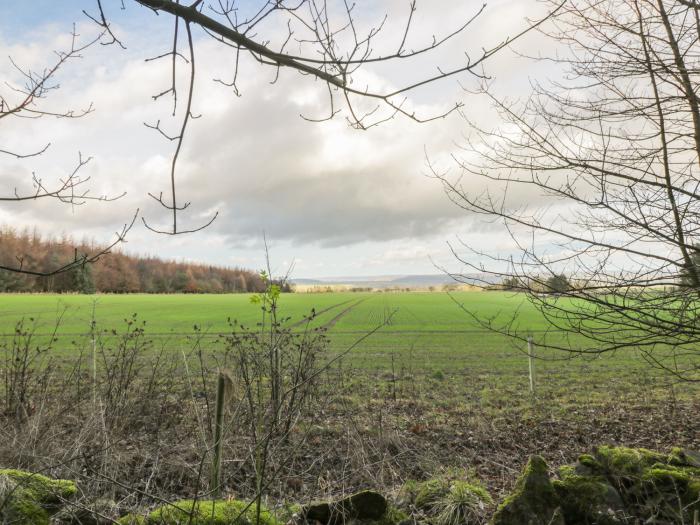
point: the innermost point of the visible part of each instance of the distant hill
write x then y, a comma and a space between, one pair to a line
388, 281
115, 272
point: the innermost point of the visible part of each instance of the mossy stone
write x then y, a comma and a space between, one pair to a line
30, 499
611, 486
588, 500
365, 505
203, 512
684, 458
653, 485
534, 500
666, 489
623, 462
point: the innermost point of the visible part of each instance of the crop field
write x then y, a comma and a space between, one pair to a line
389, 334
345, 311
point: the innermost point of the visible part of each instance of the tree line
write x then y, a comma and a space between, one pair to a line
115, 272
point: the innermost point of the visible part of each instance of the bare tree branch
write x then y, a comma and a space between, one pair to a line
309, 24
615, 148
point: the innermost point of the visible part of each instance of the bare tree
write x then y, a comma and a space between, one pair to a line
614, 150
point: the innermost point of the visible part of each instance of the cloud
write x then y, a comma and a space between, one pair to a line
268, 170
403, 254
252, 159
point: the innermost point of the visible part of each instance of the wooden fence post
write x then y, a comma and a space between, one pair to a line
530, 358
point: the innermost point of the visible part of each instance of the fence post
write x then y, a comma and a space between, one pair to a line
93, 328
530, 359
215, 483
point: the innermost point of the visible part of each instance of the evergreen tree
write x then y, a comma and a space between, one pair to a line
558, 284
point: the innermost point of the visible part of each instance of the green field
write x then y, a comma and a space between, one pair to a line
359, 312
417, 334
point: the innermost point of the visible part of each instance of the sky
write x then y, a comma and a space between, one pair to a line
329, 199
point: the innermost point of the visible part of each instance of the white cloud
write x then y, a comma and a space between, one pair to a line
341, 195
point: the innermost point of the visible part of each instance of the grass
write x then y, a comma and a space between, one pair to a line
165, 314
425, 335
361, 312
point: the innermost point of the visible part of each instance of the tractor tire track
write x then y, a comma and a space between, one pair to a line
316, 314
330, 324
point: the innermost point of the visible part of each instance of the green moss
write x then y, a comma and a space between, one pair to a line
664, 474
694, 490
676, 456
587, 491
627, 462
684, 458
586, 499
22, 511
535, 480
204, 512
677, 483
45, 490
649, 484
30, 499
590, 462
534, 500
609, 487
392, 516
566, 471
